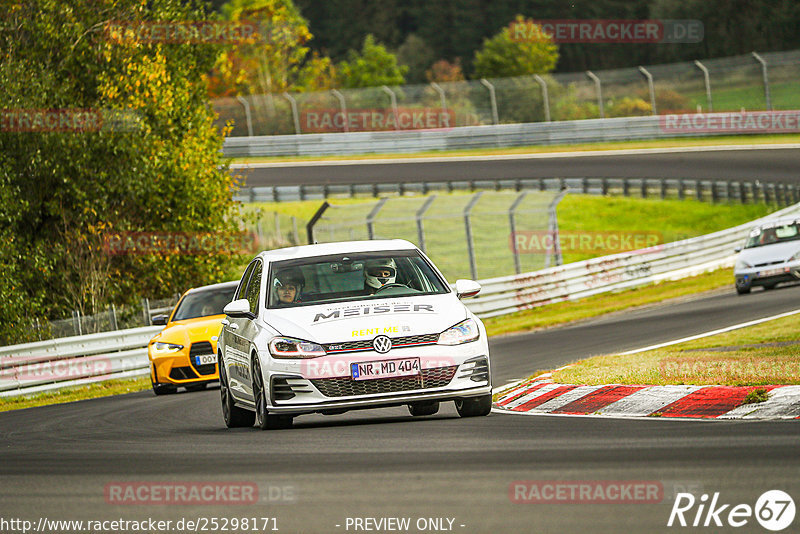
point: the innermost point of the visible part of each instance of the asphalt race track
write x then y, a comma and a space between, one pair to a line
765, 164
57, 461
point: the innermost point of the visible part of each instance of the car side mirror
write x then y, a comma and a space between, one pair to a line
737, 250
159, 320
467, 288
238, 308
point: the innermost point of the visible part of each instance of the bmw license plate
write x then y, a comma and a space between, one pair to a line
771, 272
385, 369
205, 359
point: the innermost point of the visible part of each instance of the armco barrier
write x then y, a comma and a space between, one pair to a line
63, 362
465, 137
59, 363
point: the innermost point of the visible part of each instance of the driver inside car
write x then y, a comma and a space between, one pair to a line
379, 274
288, 285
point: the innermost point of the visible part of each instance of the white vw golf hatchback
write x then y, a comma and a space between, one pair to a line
342, 326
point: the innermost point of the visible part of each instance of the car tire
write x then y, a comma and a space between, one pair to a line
233, 415
197, 387
420, 409
265, 420
474, 406
163, 389
743, 290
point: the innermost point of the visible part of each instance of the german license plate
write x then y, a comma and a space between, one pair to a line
385, 369
205, 359
770, 272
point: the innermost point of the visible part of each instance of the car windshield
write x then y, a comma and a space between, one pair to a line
773, 233
346, 277
204, 303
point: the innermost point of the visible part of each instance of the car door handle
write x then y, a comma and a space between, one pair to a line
233, 326
225, 322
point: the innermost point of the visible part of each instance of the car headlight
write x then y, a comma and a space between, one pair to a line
463, 332
287, 347
741, 264
166, 348
795, 257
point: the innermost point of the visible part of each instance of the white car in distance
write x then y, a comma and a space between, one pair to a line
335, 327
771, 255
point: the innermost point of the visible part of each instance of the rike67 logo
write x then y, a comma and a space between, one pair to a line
774, 510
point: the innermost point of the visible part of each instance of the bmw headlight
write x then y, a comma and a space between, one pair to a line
463, 332
287, 347
166, 348
741, 264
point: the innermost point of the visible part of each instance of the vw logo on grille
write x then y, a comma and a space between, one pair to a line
382, 344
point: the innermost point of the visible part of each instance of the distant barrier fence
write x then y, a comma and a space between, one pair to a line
703, 190
503, 135
747, 82
58, 363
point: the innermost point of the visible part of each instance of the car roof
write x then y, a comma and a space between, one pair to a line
221, 285
341, 247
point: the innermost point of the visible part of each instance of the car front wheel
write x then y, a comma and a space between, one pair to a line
474, 406
233, 415
264, 419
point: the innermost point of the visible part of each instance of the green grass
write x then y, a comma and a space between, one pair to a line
72, 394
567, 312
763, 354
577, 147
784, 95
445, 233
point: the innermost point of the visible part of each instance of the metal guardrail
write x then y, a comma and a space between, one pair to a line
59, 363
703, 190
64, 362
465, 137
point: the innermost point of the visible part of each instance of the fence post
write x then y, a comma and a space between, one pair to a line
766, 80
599, 90
625, 187
313, 221
76, 322
644, 187
371, 217
295, 115
493, 99
742, 193
552, 229
249, 120
473, 266
393, 98
765, 192
513, 228
442, 98
604, 186
680, 189
343, 105
545, 97
146, 311
708, 85
420, 214
754, 189
663, 189
698, 190
649, 77
113, 311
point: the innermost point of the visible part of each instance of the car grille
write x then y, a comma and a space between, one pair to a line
346, 386
182, 373
366, 344
778, 262
198, 349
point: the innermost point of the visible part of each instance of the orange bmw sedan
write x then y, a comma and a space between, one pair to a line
184, 352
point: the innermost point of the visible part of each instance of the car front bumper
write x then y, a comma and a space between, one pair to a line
760, 276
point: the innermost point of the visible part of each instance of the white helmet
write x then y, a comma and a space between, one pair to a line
375, 272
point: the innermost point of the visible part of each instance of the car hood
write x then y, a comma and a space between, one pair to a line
770, 253
191, 330
351, 321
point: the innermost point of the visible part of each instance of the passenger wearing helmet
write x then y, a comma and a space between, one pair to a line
288, 285
379, 273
